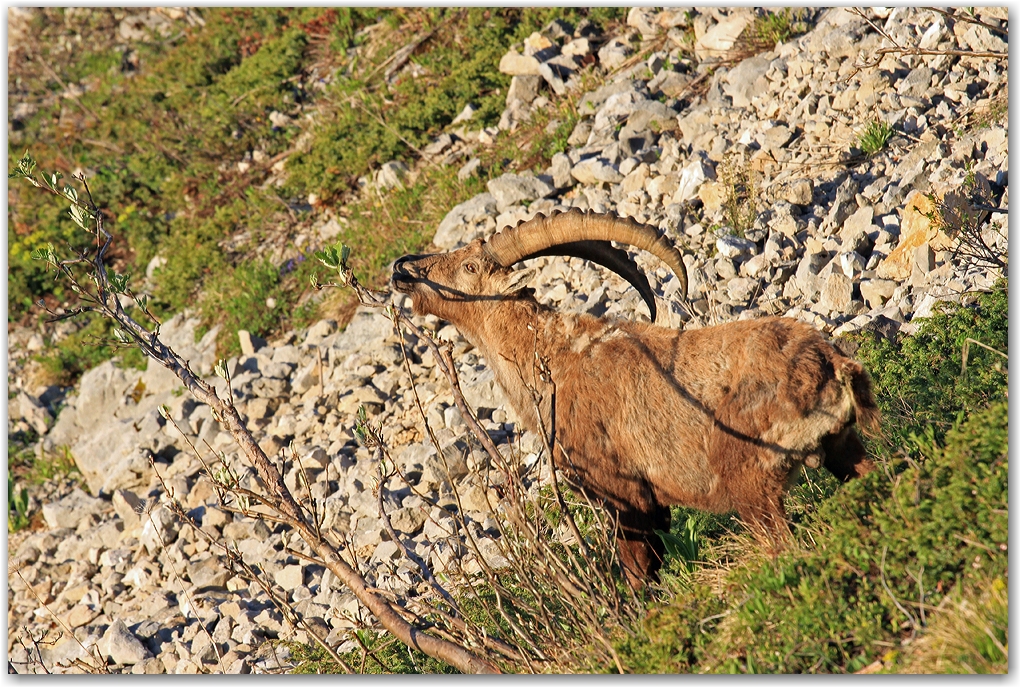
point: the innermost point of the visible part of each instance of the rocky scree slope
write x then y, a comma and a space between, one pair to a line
842, 243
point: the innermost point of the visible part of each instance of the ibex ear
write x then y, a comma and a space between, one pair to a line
518, 279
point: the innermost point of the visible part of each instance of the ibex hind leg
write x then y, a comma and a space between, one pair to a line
845, 456
642, 551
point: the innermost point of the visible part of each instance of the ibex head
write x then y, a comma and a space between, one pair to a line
484, 270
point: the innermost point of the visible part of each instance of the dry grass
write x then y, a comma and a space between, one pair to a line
970, 635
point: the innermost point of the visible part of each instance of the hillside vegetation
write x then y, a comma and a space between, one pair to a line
187, 129
845, 168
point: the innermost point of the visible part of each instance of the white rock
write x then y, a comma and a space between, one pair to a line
595, 170
120, 646
290, 577
392, 175
72, 509
691, 178
734, 247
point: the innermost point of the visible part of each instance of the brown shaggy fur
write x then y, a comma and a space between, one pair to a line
645, 417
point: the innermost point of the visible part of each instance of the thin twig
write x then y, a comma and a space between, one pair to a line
885, 585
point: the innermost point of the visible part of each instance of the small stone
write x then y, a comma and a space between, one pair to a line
469, 169
524, 88
516, 64
442, 143
735, 247
844, 206
837, 293
386, 551
319, 331
392, 175
691, 178
858, 223
407, 520
713, 195
560, 171
579, 47
720, 39
250, 343
539, 45
594, 170
643, 19
317, 459
798, 192
122, 647
208, 574
876, 292
924, 258
148, 666
466, 114
851, 263
806, 276
511, 189
613, 54
777, 137
70, 510
290, 577
81, 614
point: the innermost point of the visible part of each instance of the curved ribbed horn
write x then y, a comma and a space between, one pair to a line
603, 253
543, 235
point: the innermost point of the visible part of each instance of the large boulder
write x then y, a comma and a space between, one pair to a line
466, 222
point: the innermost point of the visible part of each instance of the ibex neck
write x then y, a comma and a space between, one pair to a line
509, 336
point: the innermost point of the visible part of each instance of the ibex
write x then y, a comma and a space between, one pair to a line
644, 417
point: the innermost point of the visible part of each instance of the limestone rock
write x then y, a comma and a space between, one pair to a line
837, 293
915, 230
70, 510
735, 247
120, 646
511, 189
466, 222
614, 53
392, 175
516, 64
595, 170
692, 177
719, 39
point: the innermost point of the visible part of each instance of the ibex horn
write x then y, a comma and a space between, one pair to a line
587, 235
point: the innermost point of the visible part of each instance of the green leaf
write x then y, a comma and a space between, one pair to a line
80, 216
118, 282
328, 257
25, 168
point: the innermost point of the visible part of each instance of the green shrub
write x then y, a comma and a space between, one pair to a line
238, 297
874, 137
918, 380
17, 506
65, 361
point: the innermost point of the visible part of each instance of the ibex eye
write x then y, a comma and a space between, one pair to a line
470, 267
